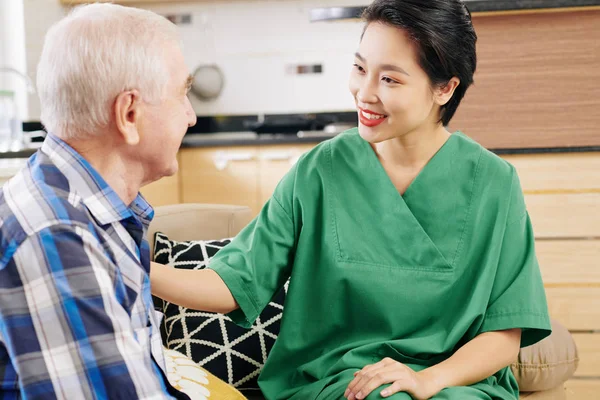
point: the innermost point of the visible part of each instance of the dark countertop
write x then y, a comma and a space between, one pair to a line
251, 139
220, 140
474, 6
18, 154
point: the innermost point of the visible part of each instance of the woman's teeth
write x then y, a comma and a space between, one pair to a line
371, 116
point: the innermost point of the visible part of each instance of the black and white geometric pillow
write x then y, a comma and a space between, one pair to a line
232, 353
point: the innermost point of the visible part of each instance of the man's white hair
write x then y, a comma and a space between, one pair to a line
92, 55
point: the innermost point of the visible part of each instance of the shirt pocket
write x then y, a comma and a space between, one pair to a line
400, 243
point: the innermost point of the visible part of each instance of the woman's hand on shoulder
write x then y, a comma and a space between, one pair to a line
389, 371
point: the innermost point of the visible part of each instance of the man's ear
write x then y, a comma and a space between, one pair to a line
128, 111
443, 94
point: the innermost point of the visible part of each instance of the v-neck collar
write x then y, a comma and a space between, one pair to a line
402, 242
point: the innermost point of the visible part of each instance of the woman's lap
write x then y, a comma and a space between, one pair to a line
336, 391
454, 393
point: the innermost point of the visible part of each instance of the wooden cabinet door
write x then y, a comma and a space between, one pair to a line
220, 175
562, 192
275, 161
162, 192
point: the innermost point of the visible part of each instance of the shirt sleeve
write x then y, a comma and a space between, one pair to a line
518, 298
65, 323
258, 262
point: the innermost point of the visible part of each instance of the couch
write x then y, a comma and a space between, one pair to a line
541, 370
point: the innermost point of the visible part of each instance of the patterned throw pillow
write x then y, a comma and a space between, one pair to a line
232, 353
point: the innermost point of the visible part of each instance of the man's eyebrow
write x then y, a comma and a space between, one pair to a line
188, 82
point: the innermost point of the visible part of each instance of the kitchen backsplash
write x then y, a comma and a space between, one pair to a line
255, 43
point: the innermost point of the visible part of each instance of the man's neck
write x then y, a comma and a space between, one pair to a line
107, 159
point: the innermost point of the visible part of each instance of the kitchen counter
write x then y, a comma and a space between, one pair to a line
17, 154
253, 139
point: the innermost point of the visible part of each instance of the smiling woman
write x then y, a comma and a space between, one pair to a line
416, 240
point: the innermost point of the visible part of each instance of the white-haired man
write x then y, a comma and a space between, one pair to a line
76, 313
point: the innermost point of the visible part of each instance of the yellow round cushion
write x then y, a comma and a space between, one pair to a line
199, 384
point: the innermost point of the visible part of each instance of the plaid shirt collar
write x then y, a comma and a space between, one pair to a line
100, 199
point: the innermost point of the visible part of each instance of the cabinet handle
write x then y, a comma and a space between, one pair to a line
281, 156
222, 158
277, 156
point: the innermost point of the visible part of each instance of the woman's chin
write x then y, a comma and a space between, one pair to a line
371, 135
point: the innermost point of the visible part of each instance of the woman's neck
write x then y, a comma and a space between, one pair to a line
413, 150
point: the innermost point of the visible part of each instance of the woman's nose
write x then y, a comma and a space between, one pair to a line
366, 93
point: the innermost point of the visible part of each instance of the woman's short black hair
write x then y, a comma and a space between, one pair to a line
445, 39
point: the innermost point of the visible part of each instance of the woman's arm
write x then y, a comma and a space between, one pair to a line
197, 289
480, 358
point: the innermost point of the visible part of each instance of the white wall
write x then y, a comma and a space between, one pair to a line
12, 51
39, 17
252, 41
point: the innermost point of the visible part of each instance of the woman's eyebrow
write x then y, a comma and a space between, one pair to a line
384, 67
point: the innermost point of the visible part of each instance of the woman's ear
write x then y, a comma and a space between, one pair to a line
443, 94
128, 111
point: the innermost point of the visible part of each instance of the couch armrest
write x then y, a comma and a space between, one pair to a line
549, 363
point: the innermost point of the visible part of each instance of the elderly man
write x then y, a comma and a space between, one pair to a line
76, 314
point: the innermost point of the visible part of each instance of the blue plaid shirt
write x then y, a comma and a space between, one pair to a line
76, 313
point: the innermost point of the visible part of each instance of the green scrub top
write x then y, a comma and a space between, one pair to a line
376, 274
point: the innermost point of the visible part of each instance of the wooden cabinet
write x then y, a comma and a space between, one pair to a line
274, 163
582, 389
537, 80
245, 175
220, 175
562, 192
162, 192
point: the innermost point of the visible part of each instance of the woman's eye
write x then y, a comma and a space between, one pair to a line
359, 68
388, 80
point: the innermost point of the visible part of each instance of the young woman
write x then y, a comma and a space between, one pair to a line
409, 249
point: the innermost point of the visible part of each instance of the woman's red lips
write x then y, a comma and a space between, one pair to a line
370, 122
370, 112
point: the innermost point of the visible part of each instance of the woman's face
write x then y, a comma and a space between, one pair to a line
393, 94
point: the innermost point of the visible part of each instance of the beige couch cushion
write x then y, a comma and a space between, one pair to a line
198, 222
548, 363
